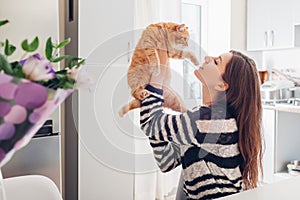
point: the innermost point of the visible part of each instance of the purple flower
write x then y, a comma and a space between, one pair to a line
37, 68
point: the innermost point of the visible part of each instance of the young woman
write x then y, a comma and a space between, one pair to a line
219, 144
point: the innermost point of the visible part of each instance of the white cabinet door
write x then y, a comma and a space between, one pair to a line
106, 157
268, 130
296, 11
257, 24
269, 24
281, 24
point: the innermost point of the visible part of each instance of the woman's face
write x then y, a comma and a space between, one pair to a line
211, 71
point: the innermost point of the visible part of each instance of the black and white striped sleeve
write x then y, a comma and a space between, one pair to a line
160, 126
166, 154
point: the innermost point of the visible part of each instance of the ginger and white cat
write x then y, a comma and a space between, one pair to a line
169, 37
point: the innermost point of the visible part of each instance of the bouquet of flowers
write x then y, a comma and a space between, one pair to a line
30, 90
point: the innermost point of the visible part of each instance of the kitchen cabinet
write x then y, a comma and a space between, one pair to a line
257, 23
41, 156
296, 13
268, 130
287, 140
270, 24
296, 19
280, 129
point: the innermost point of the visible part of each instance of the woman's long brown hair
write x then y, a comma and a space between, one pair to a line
243, 95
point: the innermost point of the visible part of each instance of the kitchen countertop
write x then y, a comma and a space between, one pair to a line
286, 189
283, 107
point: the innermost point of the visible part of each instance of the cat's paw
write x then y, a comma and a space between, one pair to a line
194, 60
144, 94
191, 56
141, 94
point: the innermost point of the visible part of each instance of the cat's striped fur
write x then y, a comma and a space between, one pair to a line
168, 37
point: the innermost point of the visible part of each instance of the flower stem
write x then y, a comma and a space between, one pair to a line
23, 56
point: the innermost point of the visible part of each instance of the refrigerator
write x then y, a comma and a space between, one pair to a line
27, 19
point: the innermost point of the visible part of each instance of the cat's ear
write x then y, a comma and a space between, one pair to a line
181, 27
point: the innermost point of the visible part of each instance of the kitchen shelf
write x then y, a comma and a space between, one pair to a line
281, 136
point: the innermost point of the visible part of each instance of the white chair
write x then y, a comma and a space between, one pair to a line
29, 187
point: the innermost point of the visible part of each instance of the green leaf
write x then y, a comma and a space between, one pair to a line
75, 61
3, 22
15, 65
80, 63
61, 73
68, 85
60, 58
9, 49
1, 44
17, 70
4, 65
63, 43
49, 49
72, 61
32, 46
52, 83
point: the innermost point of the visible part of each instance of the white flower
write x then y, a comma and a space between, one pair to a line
81, 77
37, 68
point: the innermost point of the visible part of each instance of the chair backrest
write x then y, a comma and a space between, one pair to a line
33, 187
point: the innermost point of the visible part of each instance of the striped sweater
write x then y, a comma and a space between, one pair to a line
204, 141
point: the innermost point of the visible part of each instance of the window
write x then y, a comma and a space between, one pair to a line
193, 16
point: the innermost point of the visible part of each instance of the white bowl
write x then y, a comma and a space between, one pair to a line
293, 169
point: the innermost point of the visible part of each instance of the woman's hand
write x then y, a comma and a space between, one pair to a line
158, 80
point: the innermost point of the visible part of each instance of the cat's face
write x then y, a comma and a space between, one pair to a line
178, 36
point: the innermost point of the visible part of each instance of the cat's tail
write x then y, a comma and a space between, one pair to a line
135, 103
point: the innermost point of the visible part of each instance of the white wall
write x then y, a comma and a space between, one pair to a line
219, 23
238, 24
282, 59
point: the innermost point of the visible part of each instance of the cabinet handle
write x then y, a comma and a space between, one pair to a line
272, 37
71, 10
266, 39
